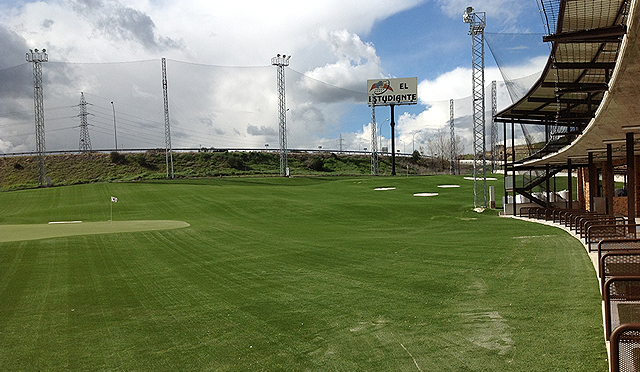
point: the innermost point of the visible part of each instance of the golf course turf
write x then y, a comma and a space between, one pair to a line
292, 274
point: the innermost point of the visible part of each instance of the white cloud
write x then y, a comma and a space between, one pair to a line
210, 106
225, 107
356, 62
456, 85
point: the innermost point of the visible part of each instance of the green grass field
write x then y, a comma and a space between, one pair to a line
302, 274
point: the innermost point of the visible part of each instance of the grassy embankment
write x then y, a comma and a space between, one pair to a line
21, 172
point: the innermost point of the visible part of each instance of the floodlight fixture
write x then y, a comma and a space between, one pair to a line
466, 17
37, 58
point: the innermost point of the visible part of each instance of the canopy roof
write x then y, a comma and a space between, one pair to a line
590, 88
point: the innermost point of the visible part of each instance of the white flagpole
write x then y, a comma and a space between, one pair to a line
112, 200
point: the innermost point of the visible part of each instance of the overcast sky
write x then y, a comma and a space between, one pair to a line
222, 89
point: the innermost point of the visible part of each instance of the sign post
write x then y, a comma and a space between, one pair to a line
392, 92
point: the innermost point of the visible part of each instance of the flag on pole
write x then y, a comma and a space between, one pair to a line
114, 199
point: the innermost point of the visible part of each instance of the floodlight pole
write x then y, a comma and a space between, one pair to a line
452, 147
477, 23
167, 128
115, 133
37, 57
494, 126
374, 142
281, 62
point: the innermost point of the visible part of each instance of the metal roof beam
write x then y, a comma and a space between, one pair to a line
598, 35
571, 101
584, 65
566, 88
550, 121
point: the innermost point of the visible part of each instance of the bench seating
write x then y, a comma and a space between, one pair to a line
625, 348
618, 263
597, 233
621, 302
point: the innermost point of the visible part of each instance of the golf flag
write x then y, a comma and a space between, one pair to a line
114, 199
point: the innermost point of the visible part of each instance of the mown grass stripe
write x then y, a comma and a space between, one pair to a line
293, 274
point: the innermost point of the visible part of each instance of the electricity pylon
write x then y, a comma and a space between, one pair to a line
85, 141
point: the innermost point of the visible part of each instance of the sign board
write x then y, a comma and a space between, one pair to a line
386, 92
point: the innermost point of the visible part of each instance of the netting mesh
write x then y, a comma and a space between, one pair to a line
589, 15
549, 11
223, 107
508, 50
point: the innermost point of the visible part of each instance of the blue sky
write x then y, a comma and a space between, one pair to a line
336, 47
427, 41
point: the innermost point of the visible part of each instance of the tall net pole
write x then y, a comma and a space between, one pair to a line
494, 126
84, 144
477, 23
280, 62
167, 127
37, 58
452, 147
374, 142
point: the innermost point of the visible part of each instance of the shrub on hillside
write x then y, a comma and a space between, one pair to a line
117, 158
416, 156
235, 161
316, 163
145, 161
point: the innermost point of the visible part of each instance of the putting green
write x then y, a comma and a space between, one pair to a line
10, 233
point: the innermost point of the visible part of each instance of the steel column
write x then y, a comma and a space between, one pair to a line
609, 180
593, 182
569, 185
631, 179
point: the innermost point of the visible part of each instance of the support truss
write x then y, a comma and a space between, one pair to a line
452, 147
494, 126
84, 144
167, 126
374, 142
477, 23
37, 58
281, 62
